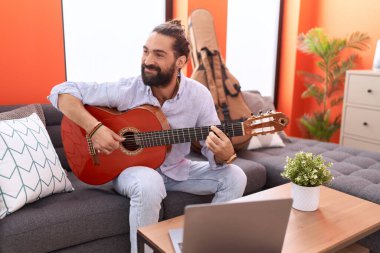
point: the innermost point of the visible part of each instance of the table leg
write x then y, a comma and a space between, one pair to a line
140, 244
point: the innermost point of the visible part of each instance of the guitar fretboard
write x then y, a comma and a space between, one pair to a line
182, 135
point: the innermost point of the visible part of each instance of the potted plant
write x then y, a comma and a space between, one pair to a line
306, 172
326, 85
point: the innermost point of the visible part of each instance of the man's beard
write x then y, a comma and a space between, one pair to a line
161, 79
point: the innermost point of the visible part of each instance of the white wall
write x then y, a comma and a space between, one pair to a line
104, 38
252, 31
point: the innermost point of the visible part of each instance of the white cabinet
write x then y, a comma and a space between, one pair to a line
361, 110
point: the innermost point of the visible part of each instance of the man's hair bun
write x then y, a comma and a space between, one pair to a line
176, 22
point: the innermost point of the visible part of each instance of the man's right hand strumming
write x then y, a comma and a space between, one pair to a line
104, 140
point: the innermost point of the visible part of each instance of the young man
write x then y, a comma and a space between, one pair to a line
185, 103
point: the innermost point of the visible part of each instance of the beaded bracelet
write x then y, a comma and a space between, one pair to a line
91, 149
92, 132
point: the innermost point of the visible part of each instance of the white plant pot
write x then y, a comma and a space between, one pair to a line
305, 198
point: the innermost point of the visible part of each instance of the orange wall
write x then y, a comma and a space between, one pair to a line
339, 18
286, 94
31, 50
355, 15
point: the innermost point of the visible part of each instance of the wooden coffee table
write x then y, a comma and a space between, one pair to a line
340, 221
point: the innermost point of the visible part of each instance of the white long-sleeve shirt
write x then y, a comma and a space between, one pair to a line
193, 106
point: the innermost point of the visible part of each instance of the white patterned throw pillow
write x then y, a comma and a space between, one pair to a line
29, 166
264, 141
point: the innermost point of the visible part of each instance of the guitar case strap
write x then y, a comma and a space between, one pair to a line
210, 83
219, 82
210, 70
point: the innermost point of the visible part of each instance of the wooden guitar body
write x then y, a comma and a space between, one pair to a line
141, 119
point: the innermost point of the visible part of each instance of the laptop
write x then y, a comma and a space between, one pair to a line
255, 226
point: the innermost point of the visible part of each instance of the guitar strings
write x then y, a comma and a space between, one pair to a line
155, 138
168, 133
174, 134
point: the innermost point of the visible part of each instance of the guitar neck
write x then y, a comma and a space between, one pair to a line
182, 135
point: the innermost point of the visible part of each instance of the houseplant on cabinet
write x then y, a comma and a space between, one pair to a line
306, 173
326, 85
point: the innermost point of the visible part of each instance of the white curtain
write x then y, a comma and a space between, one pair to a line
252, 35
104, 38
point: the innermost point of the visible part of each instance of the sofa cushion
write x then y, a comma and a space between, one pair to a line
29, 166
89, 213
175, 202
118, 243
24, 111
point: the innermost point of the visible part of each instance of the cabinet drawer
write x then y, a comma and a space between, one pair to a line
363, 89
355, 143
362, 122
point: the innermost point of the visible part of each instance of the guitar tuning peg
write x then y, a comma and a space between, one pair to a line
269, 111
252, 114
260, 112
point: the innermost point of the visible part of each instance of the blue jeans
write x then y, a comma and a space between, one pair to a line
146, 188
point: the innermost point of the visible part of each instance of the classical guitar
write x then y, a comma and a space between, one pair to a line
148, 138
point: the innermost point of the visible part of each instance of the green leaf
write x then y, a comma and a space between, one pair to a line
329, 81
358, 41
336, 101
313, 91
318, 125
307, 169
311, 77
321, 65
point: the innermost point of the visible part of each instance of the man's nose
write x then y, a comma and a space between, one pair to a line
149, 59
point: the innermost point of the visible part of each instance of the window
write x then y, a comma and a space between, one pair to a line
104, 38
252, 38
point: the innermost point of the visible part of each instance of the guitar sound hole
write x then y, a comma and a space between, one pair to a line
130, 142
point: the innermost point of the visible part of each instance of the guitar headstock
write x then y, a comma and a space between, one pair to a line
266, 123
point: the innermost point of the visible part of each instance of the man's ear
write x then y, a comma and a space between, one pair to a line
181, 61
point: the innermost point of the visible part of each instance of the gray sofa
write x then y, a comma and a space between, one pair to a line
91, 218
95, 218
